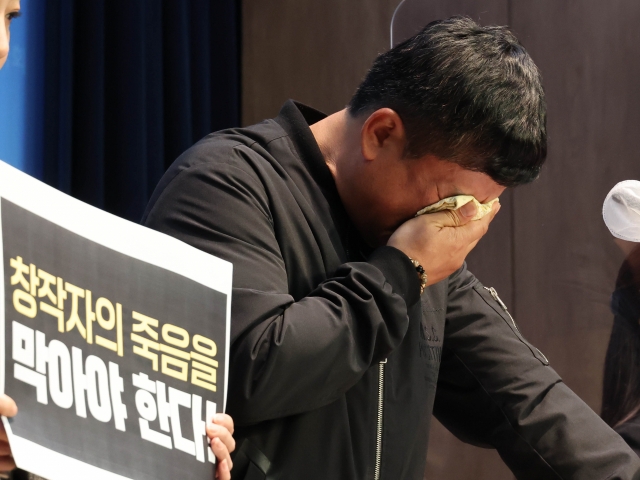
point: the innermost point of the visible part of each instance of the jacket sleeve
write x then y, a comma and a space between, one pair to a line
286, 356
496, 390
630, 433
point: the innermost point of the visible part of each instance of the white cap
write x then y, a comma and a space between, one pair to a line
621, 211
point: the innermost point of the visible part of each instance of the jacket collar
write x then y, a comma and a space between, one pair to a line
295, 118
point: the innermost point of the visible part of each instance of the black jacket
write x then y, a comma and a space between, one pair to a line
314, 313
630, 432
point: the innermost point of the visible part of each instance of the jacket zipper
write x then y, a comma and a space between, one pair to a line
495, 296
376, 473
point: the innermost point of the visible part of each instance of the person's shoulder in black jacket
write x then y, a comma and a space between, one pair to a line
630, 433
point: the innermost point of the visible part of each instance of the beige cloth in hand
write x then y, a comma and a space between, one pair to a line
454, 203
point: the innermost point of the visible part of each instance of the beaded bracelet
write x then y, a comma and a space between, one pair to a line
422, 275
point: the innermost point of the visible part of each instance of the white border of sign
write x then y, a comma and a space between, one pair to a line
122, 236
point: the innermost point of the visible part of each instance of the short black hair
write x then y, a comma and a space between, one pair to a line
465, 93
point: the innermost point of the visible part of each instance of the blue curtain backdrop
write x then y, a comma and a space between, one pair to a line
122, 88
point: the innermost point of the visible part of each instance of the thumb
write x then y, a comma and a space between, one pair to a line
461, 216
8, 407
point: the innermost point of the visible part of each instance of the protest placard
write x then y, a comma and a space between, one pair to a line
116, 340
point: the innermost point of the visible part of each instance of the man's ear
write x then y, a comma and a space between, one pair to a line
383, 134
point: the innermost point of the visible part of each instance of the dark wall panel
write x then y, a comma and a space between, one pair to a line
315, 52
412, 15
565, 260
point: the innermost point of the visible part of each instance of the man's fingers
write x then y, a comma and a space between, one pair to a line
224, 420
217, 431
464, 215
469, 233
455, 218
221, 452
466, 212
3, 434
5, 450
478, 228
223, 472
7, 464
220, 431
8, 407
